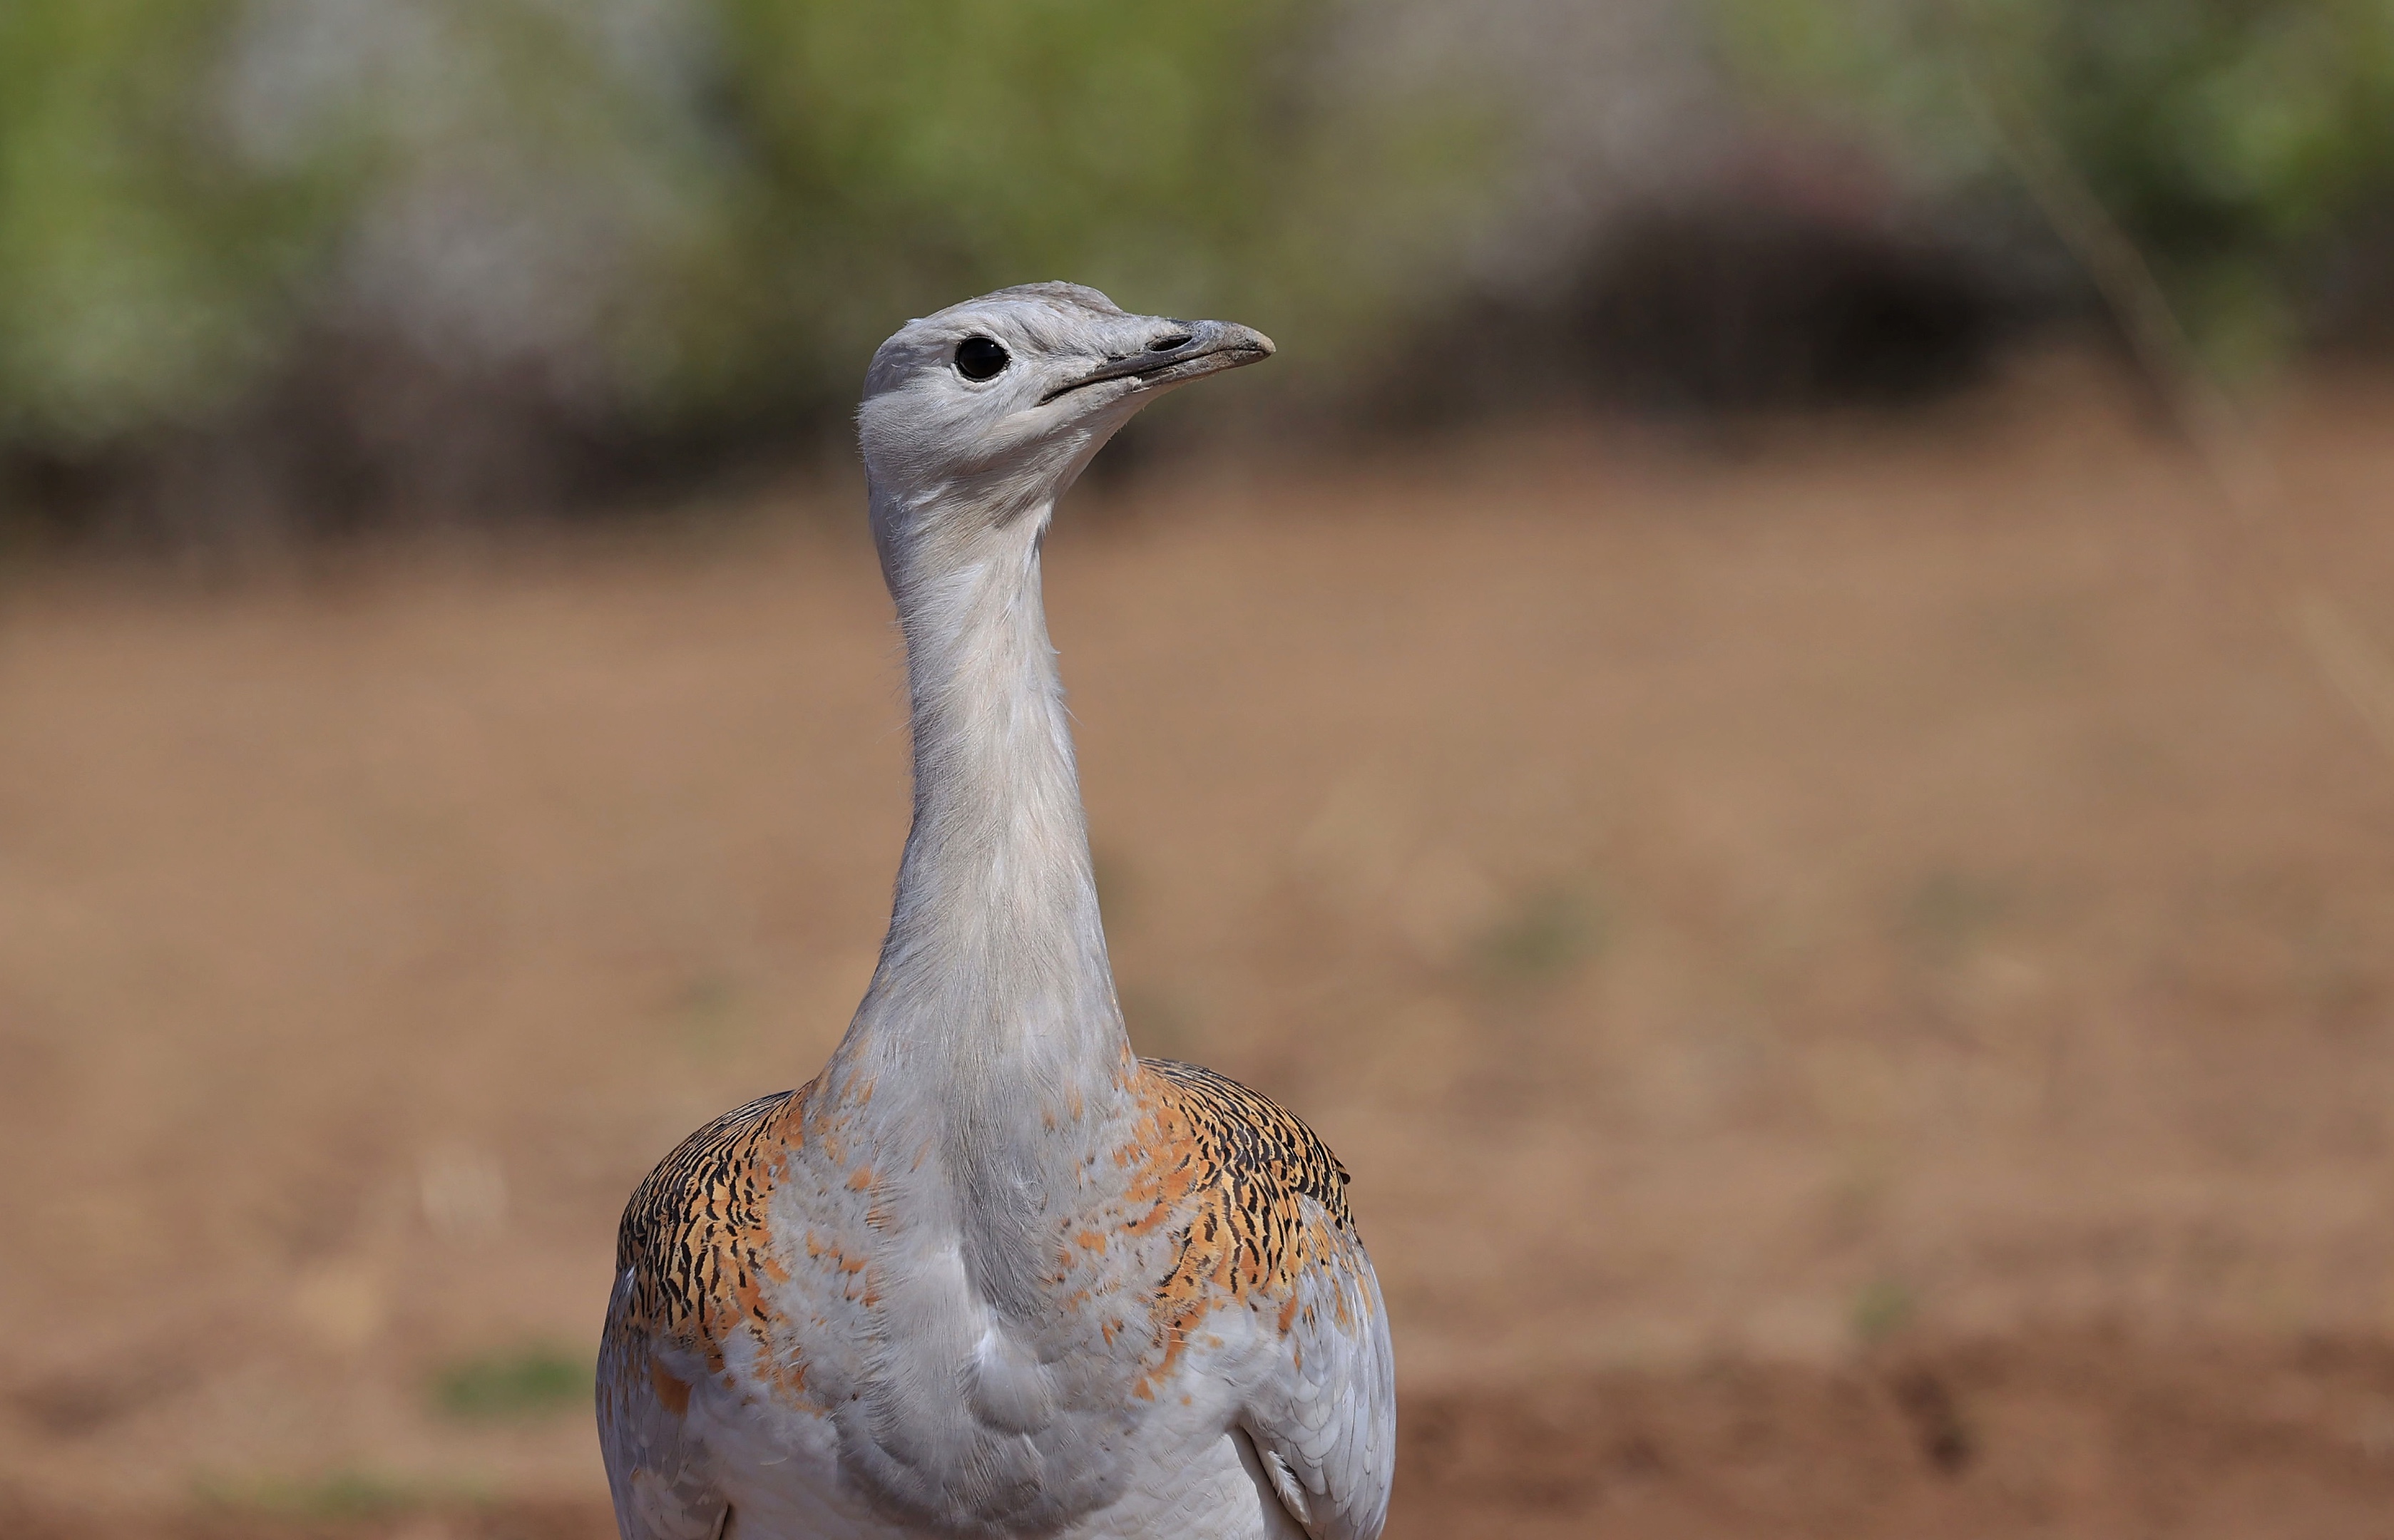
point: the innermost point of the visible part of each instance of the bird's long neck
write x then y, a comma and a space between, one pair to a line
994, 1000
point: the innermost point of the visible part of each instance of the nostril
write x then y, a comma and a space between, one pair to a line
1166, 344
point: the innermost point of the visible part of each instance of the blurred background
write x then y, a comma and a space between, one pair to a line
1777, 716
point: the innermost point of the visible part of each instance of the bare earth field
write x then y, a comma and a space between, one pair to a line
1851, 963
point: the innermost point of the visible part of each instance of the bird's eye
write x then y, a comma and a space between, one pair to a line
980, 358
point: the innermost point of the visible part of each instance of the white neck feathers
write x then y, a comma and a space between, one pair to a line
993, 992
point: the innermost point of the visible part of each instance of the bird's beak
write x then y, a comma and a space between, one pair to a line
1196, 348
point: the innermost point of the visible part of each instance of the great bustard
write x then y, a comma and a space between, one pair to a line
989, 1273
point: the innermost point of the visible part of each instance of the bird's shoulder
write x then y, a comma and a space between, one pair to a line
1266, 1195
691, 1249
1264, 1252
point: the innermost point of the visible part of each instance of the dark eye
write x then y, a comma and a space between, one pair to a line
979, 358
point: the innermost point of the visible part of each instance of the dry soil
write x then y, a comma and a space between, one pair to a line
1849, 961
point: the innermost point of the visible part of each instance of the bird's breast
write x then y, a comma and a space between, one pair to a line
977, 1358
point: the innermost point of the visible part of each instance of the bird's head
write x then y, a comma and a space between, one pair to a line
988, 410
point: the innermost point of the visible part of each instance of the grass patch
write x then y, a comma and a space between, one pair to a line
519, 1385
707, 1017
1545, 935
1947, 913
1884, 1307
337, 1494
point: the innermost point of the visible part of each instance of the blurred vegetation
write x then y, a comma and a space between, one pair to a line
2243, 145
321, 254
658, 218
904, 155
137, 268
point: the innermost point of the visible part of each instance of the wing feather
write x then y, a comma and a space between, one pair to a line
686, 1243
1322, 1409
1325, 1414
656, 1473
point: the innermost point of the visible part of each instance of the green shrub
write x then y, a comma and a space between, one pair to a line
2233, 140
671, 216
138, 270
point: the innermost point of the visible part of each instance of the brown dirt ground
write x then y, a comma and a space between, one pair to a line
1849, 961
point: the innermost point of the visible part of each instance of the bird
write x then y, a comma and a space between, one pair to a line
990, 1272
